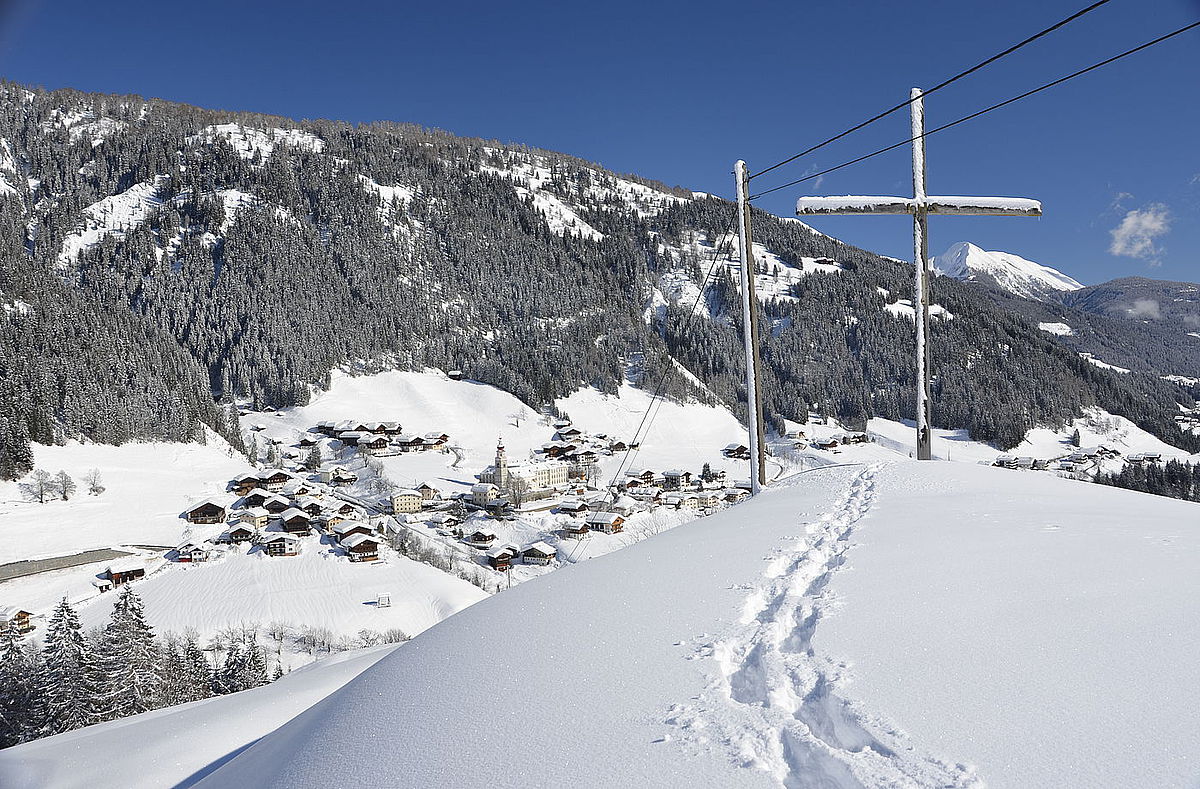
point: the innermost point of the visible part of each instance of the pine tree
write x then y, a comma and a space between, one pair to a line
314, 459
130, 660
16, 691
199, 675
66, 693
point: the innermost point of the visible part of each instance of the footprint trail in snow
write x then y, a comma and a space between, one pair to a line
774, 703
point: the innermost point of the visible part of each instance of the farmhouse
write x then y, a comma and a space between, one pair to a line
244, 483
256, 497
296, 521
344, 529
435, 439
207, 511
826, 443
241, 534
406, 501
276, 504
361, 547
500, 557
15, 618
572, 506
575, 529
538, 553
274, 479
281, 544
312, 506
123, 574
410, 443
428, 492
736, 451
607, 522
374, 444
481, 537
191, 552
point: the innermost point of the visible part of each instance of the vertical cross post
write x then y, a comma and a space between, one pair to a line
920, 206
750, 335
921, 278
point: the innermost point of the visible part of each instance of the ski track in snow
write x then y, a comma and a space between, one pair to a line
774, 705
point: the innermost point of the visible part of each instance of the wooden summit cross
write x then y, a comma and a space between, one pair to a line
920, 206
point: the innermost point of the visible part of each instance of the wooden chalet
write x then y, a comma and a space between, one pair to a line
410, 443
607, 522
618, 446
856, 438
123, 575
241, 533
311, 506
276, 504
325, 427
435, 439
15, 618
454, 375
390, 428
274, 479
539, 553
826, 443
739, 451
281, 544
361, 547
374, 444
567, 433
308, 440
501, 557
481, 537
344, 529
575, 529
244, 483
256, 497
206, 512
572, 506
295, 521
351, 438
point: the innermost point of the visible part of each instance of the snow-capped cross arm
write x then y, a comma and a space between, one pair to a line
920, 206
976, 206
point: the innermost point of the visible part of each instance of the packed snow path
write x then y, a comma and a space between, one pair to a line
782, 714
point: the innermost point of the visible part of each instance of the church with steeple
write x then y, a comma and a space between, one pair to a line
539, 476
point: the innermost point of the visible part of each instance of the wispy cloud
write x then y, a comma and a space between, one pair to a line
1138, 231
1144, 308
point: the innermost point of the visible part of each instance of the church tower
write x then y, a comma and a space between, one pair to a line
501, 465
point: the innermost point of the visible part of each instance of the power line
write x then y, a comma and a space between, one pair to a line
669, 370
937, 87
984, 111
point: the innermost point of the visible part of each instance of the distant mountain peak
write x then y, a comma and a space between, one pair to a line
1003, 270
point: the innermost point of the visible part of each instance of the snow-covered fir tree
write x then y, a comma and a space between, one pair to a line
130, 660
16, 692
67, 695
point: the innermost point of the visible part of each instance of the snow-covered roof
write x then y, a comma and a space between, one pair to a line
407, 492
357, 539
507, 549
541, 547
603, 517
482, 487
292, 512
341, 527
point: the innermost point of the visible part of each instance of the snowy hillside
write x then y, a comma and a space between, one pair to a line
893, 624
1004, 270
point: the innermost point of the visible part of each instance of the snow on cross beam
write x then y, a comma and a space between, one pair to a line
979, 206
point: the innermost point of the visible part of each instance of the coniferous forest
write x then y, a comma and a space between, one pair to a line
159, 261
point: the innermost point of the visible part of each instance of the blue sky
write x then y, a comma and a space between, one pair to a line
677, 91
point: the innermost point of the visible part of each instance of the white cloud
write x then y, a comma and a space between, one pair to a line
1144, 308
1135, 236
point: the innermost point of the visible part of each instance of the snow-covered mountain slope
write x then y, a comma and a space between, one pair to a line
1004, 270
890, 625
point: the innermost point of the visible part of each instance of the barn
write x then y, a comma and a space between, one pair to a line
539, 553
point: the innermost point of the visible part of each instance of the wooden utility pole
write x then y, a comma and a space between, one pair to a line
750, 336
920, 206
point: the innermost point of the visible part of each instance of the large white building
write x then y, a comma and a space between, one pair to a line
537, 475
